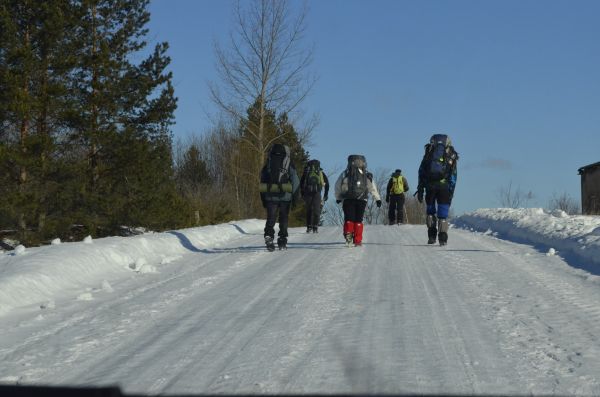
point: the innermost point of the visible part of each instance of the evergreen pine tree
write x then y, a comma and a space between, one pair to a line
122, 126
33, 68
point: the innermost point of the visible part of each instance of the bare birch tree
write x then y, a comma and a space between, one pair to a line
264, 68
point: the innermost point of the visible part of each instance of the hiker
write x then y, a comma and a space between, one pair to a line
278, 187
437, 180
396, 187
353, 187
313, 182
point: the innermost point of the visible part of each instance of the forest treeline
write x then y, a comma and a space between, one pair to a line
87, 110
86, 146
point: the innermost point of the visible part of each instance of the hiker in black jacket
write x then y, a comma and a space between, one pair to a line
312, 184
396, 188
278, 187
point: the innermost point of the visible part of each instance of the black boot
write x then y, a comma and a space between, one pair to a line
431, 228
269, 243
315, 229
443, 235
431, 233
308, 229
282, 243
443, 238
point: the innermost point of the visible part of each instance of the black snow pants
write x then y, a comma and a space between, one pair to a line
312, 202
354, 210
283, 209
396, 210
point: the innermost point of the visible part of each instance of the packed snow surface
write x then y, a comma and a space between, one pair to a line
209, 310
576, 237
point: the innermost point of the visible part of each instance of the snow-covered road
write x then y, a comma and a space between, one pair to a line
479, 316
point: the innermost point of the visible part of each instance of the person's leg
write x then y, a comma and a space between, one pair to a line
443, 209
284, 211
392, 210
400, 208
316, 211
308, 206
431, 220
349, 215
270, 223
358, 218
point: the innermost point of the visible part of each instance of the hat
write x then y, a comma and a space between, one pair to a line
398, 171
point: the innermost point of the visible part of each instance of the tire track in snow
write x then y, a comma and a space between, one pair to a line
544, 322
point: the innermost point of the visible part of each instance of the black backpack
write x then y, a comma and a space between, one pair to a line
278, 169
440, 156
313, 177
354, 183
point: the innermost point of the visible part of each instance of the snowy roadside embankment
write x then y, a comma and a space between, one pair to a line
38, 275
574, 236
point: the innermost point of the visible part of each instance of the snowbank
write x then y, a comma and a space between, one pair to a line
37, 275
575, 237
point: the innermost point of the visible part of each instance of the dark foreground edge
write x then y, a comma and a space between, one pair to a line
114, 391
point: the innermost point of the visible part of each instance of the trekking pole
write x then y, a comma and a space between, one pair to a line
405, 213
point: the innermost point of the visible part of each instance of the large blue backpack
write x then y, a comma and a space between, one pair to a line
439, 153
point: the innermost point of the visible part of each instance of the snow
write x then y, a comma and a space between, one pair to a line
510, 306
576, 238
29, 276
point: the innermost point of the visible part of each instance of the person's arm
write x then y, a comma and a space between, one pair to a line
294, 179
263, 196
453, 173
405, 183
302, 183
388, 190
326, 190
338, 188
422, 177
373, 190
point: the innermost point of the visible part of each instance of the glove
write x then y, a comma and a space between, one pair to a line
419, 194
325, 198
338, 201
378, 202
387, 199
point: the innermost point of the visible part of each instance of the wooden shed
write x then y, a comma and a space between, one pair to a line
590, 189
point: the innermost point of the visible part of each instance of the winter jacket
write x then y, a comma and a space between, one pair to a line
277, 197
371, 187
391, 184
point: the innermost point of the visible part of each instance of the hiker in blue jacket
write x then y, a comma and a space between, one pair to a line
437, 180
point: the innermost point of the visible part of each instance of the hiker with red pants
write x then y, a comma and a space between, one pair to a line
353, 187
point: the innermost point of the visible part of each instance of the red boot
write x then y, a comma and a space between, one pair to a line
349, 231
358, 231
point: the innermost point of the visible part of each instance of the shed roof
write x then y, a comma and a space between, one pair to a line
588, 167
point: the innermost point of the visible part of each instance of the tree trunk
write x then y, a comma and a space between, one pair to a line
24, 134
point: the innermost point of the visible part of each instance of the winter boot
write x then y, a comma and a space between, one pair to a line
358, 232
349, 232
309, 229
443, 231
269, 243
431, 229
282, 243
315, 229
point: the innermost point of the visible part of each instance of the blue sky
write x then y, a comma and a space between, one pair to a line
516, 85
